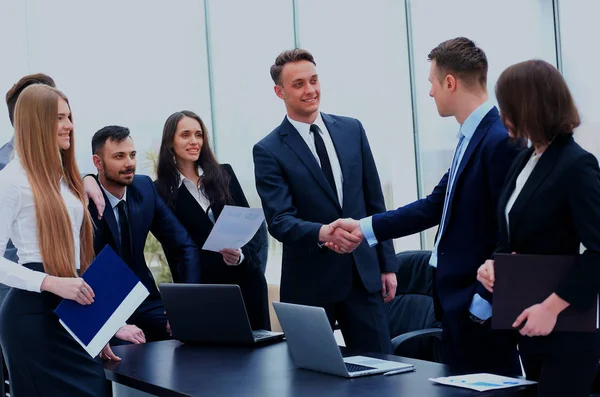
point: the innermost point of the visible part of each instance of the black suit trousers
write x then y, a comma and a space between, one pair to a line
362, 318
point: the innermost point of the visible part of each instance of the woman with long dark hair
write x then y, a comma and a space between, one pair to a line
43, 211
196, 187
550, 205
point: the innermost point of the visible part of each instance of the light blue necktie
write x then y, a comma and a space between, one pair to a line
449, 186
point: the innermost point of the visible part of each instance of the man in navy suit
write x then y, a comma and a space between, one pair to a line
134, 209
464, 205
310, 170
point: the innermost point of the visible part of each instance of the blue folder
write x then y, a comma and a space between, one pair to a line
112, 281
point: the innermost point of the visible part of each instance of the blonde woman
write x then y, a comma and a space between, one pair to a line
42, 209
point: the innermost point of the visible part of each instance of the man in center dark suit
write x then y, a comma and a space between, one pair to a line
134, 209
309, 171
464, 205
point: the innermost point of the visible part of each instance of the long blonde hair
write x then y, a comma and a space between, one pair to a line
36, 141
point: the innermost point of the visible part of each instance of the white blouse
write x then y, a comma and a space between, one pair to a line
521, 180
18, 223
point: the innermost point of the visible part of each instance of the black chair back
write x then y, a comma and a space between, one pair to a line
412, 310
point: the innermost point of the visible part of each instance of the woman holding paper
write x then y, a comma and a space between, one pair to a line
550, 205
196, 187
43, 211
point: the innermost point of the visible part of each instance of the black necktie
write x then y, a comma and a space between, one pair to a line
323, 157
126, 252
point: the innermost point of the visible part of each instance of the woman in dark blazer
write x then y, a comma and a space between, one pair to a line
196, 187
550, 205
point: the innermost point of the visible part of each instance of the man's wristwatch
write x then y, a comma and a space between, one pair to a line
476, 319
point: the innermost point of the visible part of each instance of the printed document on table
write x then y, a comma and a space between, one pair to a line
482, 382
234, 228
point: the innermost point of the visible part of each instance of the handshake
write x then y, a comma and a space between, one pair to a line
341, 236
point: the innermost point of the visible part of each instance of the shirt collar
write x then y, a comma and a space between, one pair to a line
304, 128
112, 199
182, 177
472, 122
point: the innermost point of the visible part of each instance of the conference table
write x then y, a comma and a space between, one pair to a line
170, 368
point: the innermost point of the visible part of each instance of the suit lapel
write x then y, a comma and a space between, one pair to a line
541, 171
509, 188
337, 137
293, 139
193, 209
111, 221
480, 132
478, 135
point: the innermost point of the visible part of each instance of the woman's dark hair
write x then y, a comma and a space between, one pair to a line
215, 182
534, 98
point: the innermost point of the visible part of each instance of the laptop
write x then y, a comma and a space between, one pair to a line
210, 313
313, 346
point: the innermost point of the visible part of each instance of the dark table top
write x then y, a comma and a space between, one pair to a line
170, 368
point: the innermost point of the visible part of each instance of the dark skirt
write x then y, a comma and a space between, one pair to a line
42, 358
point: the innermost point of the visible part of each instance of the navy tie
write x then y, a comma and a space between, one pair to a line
323, 157
126, 251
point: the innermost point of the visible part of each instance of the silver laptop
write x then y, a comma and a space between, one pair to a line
313, 346
210, 313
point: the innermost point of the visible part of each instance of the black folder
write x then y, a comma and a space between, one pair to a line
524, 280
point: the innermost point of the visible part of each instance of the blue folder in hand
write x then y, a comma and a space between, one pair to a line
118, 292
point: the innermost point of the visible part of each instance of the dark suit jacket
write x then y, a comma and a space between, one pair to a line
471, 226
297, 201
557, 210
199, 226
248, 275
148, 213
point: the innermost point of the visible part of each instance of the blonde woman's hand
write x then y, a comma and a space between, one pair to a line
108, 355
73, 288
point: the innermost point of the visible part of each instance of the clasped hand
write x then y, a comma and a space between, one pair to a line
341, 236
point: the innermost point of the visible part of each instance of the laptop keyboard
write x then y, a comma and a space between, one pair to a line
356, 367
261, 334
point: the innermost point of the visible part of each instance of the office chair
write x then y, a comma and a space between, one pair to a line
414, 329
4, 385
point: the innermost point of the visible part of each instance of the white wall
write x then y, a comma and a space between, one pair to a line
581, 61
135, 62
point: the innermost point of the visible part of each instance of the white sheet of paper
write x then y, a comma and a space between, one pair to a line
482, 382
234, 228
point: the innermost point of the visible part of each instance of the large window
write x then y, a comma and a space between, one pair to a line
130, 63
580, 60
246, 109
362, 61
13, 44
509, 31
135, 62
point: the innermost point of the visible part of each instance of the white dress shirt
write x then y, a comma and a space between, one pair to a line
18, 222
198, 194
306, 134
521, 180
